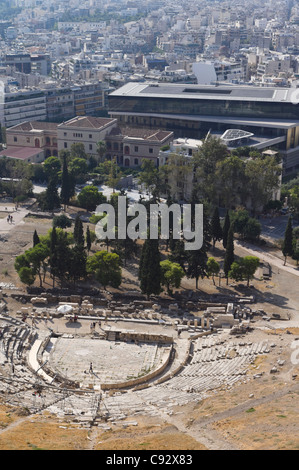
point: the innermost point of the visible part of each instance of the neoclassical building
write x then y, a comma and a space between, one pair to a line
36, 141
39, 136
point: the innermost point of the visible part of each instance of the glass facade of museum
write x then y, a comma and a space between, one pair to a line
241, 108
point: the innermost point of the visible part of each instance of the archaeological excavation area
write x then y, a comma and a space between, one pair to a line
98, 360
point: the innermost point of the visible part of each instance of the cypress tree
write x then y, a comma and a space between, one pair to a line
78, 260
78, 232
197, 259
52, 200
226, 228
78, 256
150, 269
179, 254
53, 259
197, 265
229, 255
216, 229
36, 239
288, 247
63, 257
66, 189
88, 239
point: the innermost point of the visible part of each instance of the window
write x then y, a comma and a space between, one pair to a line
90, 146
136, 161
28, 140
136, 148
65, 134
15, 139
150, 150
65, 145
90, 136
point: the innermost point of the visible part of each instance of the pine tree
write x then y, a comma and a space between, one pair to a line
216, 229
36, 239
150, 269
225, 231
288, 247
229, 255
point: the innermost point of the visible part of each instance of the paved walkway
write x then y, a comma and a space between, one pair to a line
32, 359
268, 258
18, 216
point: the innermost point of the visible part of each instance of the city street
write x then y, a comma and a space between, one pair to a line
275, 227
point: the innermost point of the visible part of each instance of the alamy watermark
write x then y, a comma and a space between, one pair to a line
153, 222
295, 354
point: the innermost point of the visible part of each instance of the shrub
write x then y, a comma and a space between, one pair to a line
61, 221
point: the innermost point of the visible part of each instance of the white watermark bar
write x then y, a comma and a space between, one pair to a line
295, 354
183, 221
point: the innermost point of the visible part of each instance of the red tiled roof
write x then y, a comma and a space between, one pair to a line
21, 153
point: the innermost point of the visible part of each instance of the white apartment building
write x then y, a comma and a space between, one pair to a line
82, 26
273, 65
210, 72
17, 105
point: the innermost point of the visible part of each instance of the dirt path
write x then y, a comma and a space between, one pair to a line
15, 424
92, 438
211, 439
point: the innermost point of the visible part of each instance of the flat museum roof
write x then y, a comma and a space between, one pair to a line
198, 92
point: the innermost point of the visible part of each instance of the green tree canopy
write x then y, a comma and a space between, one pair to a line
205, 161
287, 248
216, 229
90, 197
171, 275
105, 267
150, 268
213, 268
78, 151
229, 254
263, 177
27, 276
52, 168
245, 268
